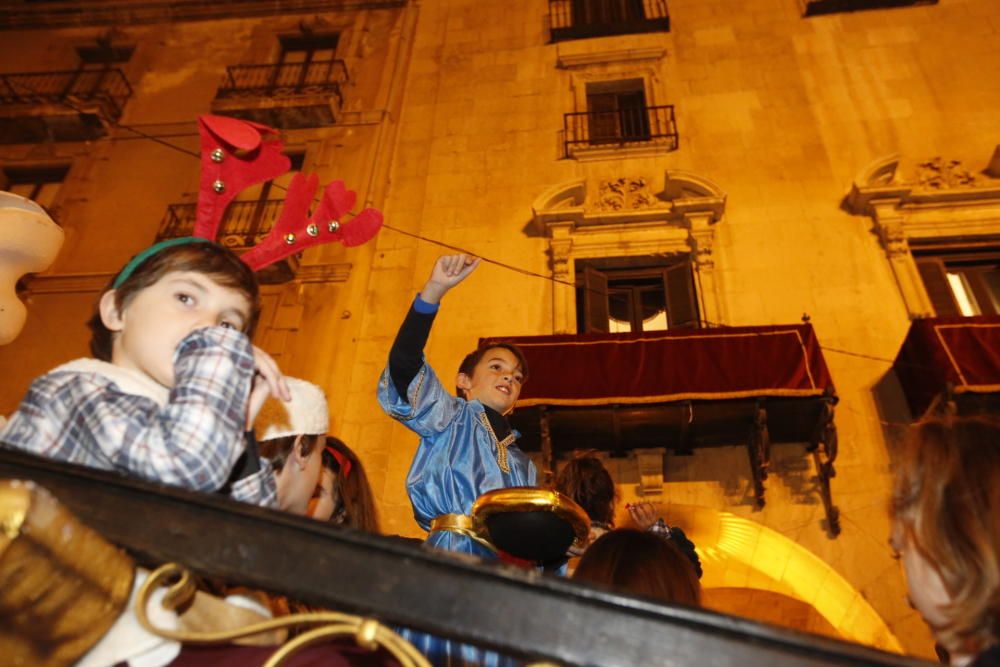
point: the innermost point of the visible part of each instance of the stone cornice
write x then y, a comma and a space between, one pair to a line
571, 60
20, 15
939, 184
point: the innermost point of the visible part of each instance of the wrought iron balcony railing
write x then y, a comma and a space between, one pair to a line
578, 19
244, 224
637, 126
107, 87
285, 80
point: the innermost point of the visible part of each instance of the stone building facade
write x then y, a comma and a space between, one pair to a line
802, 160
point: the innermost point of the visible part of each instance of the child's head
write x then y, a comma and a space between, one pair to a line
640, 563
343, 496
159, 298
585, 479
493, 375
946, 527
292, 436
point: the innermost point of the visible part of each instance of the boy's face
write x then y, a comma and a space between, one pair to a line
149, 328
496, 380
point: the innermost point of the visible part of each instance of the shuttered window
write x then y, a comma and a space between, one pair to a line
960, 279
635, 298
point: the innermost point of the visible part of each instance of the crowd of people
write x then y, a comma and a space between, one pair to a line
176, 393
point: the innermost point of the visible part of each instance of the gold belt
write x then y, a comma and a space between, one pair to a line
461, 524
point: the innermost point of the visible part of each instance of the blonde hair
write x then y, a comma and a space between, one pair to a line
946, 500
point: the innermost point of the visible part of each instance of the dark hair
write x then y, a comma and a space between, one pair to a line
585, 479
468, 365
640, 563
946, 501
354, 491
277, 450
218, 263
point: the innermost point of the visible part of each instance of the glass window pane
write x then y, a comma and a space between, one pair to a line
23, 189
46, 195
963, 294
619, 311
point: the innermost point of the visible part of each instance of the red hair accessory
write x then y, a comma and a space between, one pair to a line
342, 460
236, 155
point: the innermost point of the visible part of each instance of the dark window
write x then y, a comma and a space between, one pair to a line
960, 279
621, 295
580, 19
40, 184
616, 112
103, 54
589, 12
308, 48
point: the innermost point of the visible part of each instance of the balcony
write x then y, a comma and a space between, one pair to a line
245, 224
285, 95
580, 19
950, 365
818, 7
637, 127
682, 390
77, 105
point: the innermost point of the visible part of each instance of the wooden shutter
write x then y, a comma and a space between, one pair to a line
682, 303
933, 273
634, 116
595, 301
602, 117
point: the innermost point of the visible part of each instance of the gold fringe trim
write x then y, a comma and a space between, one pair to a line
666, 398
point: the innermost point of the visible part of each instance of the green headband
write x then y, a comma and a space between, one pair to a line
134, 263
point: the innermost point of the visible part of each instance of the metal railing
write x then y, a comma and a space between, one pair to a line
576, 19
284, 79
243, 225
625, 127
106, 86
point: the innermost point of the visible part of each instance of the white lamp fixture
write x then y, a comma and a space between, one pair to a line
29, 243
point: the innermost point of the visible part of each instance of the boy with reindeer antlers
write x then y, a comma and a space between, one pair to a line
176, 382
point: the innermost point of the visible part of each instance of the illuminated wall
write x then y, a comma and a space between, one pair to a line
454, 124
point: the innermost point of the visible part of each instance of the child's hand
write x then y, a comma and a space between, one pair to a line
643, 514
267, 381
449, 270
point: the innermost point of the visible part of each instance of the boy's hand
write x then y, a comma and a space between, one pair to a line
267, 381
643, 514
449, 270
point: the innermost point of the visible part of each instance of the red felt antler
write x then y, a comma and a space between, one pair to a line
294, 231
234, 156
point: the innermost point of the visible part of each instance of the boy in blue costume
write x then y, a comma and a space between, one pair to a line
466, 444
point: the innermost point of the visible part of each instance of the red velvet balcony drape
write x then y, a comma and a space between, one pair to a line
656, 367
961, 351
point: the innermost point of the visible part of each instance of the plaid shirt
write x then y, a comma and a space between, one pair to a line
190, 437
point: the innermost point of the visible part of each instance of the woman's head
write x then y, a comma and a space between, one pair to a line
586, 480
946, 526
292, 436
343, 495
640, 563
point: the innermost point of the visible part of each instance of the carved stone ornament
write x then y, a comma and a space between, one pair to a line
939, 173
625, 193
911, 202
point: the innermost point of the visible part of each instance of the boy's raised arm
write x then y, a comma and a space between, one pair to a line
406, 356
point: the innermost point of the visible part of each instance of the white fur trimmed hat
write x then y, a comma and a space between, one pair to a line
305, 414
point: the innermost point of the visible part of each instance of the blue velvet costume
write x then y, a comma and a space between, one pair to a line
459, 458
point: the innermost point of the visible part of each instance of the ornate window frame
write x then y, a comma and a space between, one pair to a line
622, 217
939, 199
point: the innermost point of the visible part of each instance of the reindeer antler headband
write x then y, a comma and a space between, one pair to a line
236, 154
